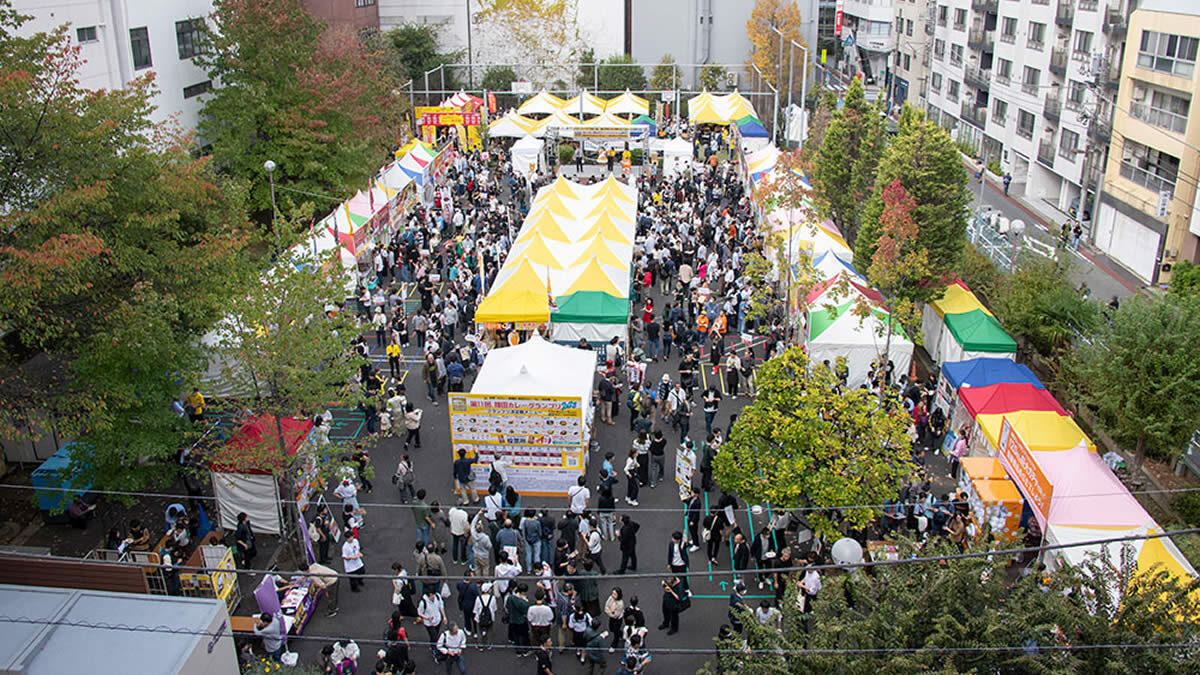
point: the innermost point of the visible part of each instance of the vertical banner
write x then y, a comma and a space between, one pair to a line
1023, 469
837, 17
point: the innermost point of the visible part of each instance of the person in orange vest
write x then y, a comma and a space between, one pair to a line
702, 323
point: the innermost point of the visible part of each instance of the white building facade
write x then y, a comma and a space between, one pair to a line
869, 24
121, 40
1024, 82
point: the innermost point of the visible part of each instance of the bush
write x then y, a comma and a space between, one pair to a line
994, 167
979, 273
1187, 505
566, 153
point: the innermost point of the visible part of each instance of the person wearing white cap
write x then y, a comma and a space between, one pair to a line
485, 614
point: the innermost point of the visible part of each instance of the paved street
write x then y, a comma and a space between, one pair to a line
389, 535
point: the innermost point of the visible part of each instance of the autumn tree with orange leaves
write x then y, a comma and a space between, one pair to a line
118, 248
764, 43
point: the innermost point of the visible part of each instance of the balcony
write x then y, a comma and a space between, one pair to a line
985, 5
929, 28
1045, 154
1114, 22
1036, 44
1065, 15
1030, 88
1158, 117
960, 26
1052, 108
1058, 61
974, 114
1100, 130
1109, 74
977, 77
1003, 78
1088, 5
983, 40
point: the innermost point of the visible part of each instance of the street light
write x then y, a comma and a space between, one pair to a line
269, 167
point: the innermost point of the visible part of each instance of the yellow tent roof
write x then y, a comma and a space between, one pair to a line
514, 307
545, 225
704, 113
628, 104
593, 278
536, 252
603, 226
606, 119
598, 250
738, 107
554, 203
700, 99
561, 186
957, 300
592, 104
611, 187
543, 103
1042, 430
524, 278
608, 204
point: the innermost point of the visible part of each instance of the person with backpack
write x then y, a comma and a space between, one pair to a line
412, 423
450, 646
531, 534
432, 612
485, 614
516, 613
405, 479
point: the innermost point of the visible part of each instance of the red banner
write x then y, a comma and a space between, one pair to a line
450, 119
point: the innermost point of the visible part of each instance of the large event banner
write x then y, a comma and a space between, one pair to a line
541, 436
1023, 469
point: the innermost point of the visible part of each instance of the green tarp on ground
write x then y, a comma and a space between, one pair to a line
978, 331
590, 307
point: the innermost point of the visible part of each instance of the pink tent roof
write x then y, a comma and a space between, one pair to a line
1086, 492
998, 399
871, 294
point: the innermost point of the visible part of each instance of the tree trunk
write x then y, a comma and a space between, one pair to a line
1139, 455
287, 509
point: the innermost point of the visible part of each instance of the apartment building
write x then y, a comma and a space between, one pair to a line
869, 24
1026, 83
120, 40
912, 53
1147, 219
357, 14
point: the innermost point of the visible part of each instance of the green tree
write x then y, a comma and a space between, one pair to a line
498, 80
923, 158
283, 343
712, 77
801, 442
973, 616
588, 73
1185, 278
118, 248
416, 45
844, 170
978, 271
1039, 305
312, 100
1140, 374
667, 74
621, 73
785, 194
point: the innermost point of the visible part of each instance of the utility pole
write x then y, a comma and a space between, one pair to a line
470, 57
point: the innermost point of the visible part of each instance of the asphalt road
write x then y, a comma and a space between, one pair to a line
389, 535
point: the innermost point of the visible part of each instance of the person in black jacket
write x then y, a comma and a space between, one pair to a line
627, 536
741, 552
677, 557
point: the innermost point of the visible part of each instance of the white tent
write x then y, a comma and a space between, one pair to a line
677, 156
527, 155
512, 125
244, 471
589, 104
628, 104
543, 103
839, 332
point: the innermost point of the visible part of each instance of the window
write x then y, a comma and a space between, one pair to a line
999, 111
86, 34
908, 62
187, 36
197, 89
943, 13
1003, 71
1031, 80
1160, 108
908, 26
935, 81
1075, 94
1008, 29
952, 90
139, 44
1024, 124
1068, 144
960, 19
1152, 169
956, 55
939, 49
364, 3
1037, 35
1167, 53
1083, 45
899, 24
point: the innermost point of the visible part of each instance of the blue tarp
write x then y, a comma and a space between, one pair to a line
983, 372
753, 130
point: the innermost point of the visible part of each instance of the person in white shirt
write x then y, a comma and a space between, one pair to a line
460, 524
486, 599
451, 645
500, 466
540, 617
768, 615
347, 491
506, 569
810, 585
352, 560
595, 545
493, 503
578, 495
432, 611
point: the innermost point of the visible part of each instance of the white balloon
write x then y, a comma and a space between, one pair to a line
847, 551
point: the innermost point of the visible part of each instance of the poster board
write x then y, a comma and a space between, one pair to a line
685, 468
542, 436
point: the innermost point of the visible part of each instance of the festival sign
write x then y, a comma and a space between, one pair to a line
542, 436
1023, 469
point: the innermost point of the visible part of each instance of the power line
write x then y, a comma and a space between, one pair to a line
630, 511
180, 630
649, 575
